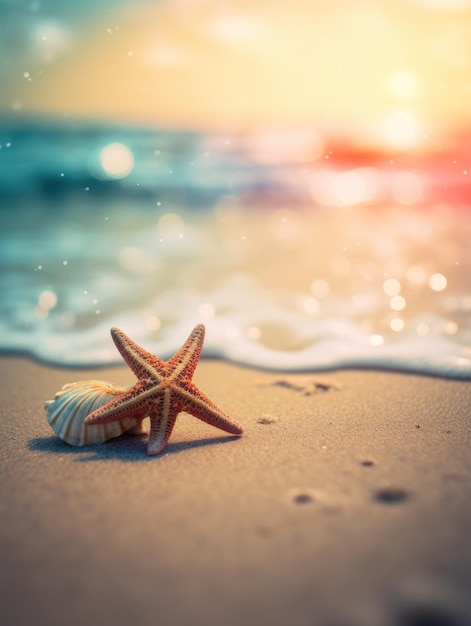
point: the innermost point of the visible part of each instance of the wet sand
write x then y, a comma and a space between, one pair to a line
345, 502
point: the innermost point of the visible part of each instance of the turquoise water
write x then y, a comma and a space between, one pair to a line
280, 282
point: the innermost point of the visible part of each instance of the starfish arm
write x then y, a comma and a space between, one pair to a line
198, 404
141, 362
162, 420
184, 362
162, 391
125, 405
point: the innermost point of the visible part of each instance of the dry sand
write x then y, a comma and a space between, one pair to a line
346, 502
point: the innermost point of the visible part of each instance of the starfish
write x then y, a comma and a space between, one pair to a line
162, 391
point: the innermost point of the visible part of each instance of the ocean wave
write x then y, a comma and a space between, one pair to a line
277, 288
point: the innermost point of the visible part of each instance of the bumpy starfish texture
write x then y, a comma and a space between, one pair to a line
162, 391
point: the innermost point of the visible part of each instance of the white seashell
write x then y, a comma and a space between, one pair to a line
71, 405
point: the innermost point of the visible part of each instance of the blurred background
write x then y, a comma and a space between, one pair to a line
252, 83
156, 154
352, 66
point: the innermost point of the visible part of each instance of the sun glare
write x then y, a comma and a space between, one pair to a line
404, 86
401, 130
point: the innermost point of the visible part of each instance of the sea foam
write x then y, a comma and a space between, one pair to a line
278, 288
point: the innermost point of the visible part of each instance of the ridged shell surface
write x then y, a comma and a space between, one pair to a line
71, 405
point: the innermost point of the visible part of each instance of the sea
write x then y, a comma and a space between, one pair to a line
298, 249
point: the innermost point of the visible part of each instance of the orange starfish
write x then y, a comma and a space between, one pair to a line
163, 390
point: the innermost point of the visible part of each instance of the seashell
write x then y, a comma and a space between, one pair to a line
71, 405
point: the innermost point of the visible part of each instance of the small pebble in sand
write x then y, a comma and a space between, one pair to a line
267, 419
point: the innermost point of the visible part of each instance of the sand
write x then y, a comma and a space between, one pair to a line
345, 502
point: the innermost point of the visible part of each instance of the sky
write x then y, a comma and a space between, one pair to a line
399, 64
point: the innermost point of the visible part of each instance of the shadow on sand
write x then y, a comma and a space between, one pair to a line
128, 448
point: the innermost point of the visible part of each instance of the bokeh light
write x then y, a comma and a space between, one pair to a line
170, 226
437, 282
397, 303
391, 287
397, 324
416, 274
117, 160
320, 288
47, 300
